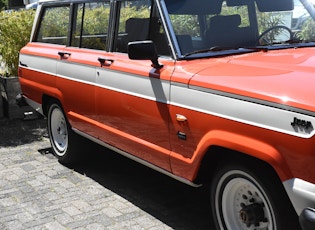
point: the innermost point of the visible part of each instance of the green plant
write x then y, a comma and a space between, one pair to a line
308, 30
3, 4
95, 23
15, 30
185, 24
268, 20
132, 12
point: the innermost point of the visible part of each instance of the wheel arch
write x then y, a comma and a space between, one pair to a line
222, 147
47, 100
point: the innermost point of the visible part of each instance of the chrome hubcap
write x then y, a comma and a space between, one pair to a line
59, 131
244, 205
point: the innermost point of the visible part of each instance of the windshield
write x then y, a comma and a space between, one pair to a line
216, 25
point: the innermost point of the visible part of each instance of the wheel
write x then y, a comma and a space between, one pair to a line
63, 140
269, 35
242, 198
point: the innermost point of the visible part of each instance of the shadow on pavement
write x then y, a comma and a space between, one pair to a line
16, 132
175, 204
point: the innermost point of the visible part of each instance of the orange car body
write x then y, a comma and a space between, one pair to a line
259, 103
280, 78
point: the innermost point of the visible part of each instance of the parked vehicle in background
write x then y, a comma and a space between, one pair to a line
218, 93
30, 4
299, 16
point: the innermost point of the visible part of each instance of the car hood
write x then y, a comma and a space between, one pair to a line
282, 76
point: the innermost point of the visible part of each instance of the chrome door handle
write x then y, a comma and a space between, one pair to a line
64, 54
105, 61
23, 64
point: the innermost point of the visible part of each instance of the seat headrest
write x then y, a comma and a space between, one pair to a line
133, 23
225, 21
137, 29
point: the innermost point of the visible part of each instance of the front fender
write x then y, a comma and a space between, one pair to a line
189, 167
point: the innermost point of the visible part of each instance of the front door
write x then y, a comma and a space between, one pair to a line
132, 98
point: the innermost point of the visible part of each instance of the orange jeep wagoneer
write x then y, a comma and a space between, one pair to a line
219, 93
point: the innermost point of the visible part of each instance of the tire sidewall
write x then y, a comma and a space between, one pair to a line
57, 152
267, 188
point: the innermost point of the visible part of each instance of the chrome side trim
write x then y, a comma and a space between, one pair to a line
134, 158
301, 194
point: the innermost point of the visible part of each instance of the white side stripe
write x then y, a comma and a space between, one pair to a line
140, 86
241, 111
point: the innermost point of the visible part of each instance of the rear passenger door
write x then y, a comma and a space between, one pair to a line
131, 96
78, 62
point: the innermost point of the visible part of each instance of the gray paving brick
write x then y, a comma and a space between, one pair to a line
37, 192
64, 219
14, 225
54, 226
95, 226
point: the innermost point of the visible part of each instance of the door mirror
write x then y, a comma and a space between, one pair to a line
144, 50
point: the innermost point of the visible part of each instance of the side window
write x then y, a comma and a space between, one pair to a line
187, 31
91, 25
136, 23
54, 25
186, 25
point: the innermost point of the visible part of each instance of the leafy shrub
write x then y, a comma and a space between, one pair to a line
15, 30
308, 30
95, 23
3, 4
56, 22
185, 24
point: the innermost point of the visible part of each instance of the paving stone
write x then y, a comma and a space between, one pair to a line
54, 226
37, 192
95, 226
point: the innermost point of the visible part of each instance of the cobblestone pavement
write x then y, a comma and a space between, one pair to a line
108, 191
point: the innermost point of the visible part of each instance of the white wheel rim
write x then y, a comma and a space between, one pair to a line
59, 132
242, 192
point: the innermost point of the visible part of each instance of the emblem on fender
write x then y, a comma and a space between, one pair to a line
301, 123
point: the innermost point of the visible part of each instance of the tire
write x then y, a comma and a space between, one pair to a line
64, 141
251, 199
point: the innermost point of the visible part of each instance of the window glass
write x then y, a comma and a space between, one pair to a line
91, 25
136, 23
186, 25
54, 26
239, 10
208, 25
133, 24
194, 32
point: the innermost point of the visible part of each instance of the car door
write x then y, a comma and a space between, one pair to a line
78, 61
131, 96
